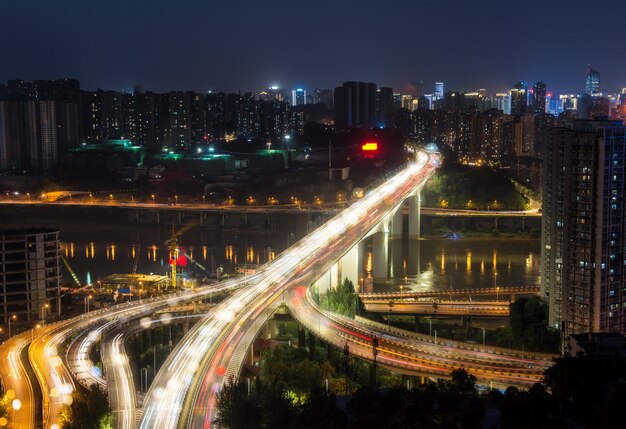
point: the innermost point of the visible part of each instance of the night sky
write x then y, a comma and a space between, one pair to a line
251, 44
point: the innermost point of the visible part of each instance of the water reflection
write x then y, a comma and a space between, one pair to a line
442, 263
488, 263
118, 250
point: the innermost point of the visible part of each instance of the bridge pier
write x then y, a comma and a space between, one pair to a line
397, 223
415, 203
329, 279
380, 250
350, 266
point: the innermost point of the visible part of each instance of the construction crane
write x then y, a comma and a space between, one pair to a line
71, 271
172, 242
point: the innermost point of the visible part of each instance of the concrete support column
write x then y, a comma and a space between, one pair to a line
323, 283
350, 266
414, 216
335, 275
180, 217
380, 250
397, 223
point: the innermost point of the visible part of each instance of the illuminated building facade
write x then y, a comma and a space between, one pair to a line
583, 260
29, 273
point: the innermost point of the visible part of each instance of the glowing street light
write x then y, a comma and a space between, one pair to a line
32, 332
11, 318
43, 312
86, 302
153, 198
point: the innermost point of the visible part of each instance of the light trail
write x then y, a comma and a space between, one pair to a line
231, 321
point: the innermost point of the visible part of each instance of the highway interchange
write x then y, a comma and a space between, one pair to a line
184, 391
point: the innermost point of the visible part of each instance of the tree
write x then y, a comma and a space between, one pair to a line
237, 410
89, 410
343, 300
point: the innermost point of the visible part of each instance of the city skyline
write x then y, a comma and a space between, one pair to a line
125, 44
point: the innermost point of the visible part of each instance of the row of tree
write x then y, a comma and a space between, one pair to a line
342, 299
458, 186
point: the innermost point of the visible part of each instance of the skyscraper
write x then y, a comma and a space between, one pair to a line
385, 104
298, 97
519, 98
592, 81
41, 135
439, 90
539, 98
355, 104
583, 257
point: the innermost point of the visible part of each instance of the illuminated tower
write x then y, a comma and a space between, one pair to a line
592, 81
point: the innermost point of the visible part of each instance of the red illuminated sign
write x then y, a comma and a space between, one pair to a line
370, 147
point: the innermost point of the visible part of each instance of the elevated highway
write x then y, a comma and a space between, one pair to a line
460, 308
454, 293
185, 393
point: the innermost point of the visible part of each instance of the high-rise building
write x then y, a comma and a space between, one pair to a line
519, 99
12, 136
298, 97
539, 98
29, 273
41, 135
592, 81
385, 104
503, 102
439, 91
355, 104
583, 257
177, 120
272, 93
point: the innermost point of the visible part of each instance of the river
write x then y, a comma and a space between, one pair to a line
444, 263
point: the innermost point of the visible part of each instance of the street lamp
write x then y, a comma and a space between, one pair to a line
153, 198
483, 336
43, 312
11, 318
176, 199
32, 332
435, 331
86, 302
144, 377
